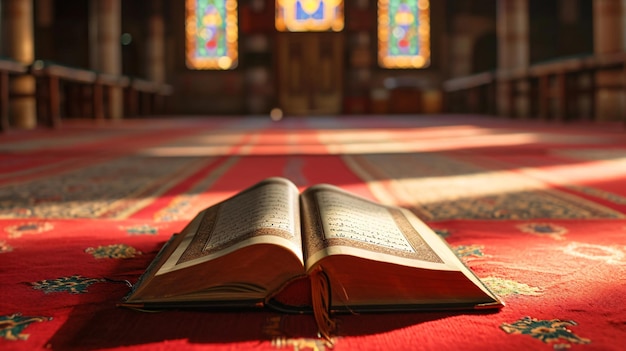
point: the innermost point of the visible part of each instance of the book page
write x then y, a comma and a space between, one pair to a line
347, 224
349, 218
269, 207
265, 213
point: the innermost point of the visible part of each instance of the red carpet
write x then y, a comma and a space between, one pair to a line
537, 210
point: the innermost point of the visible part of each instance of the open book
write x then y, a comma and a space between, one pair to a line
271, 246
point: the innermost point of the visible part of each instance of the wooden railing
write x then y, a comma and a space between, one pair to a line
51, 81
103, 89
559, 89
7, 67
562, 85
474, 93
89, 91
144, 97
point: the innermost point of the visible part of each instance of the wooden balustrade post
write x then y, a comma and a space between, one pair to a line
4, 101
106, 22
609, 37
513, 54
20, 46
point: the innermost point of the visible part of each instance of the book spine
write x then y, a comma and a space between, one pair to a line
151, 267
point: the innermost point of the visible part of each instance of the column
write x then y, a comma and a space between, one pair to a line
105, 47
20, 46
513, 54
155, 55
155, 43
44, 22
1, 31
608, 37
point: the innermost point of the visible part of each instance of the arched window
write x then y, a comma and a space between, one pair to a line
211, 34
309, 15
403, 33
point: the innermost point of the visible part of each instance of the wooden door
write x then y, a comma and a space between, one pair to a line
310, 73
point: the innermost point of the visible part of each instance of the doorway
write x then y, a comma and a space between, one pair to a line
310, 73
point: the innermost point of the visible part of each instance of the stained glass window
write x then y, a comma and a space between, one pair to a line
211, 34
403, 33
309, 15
